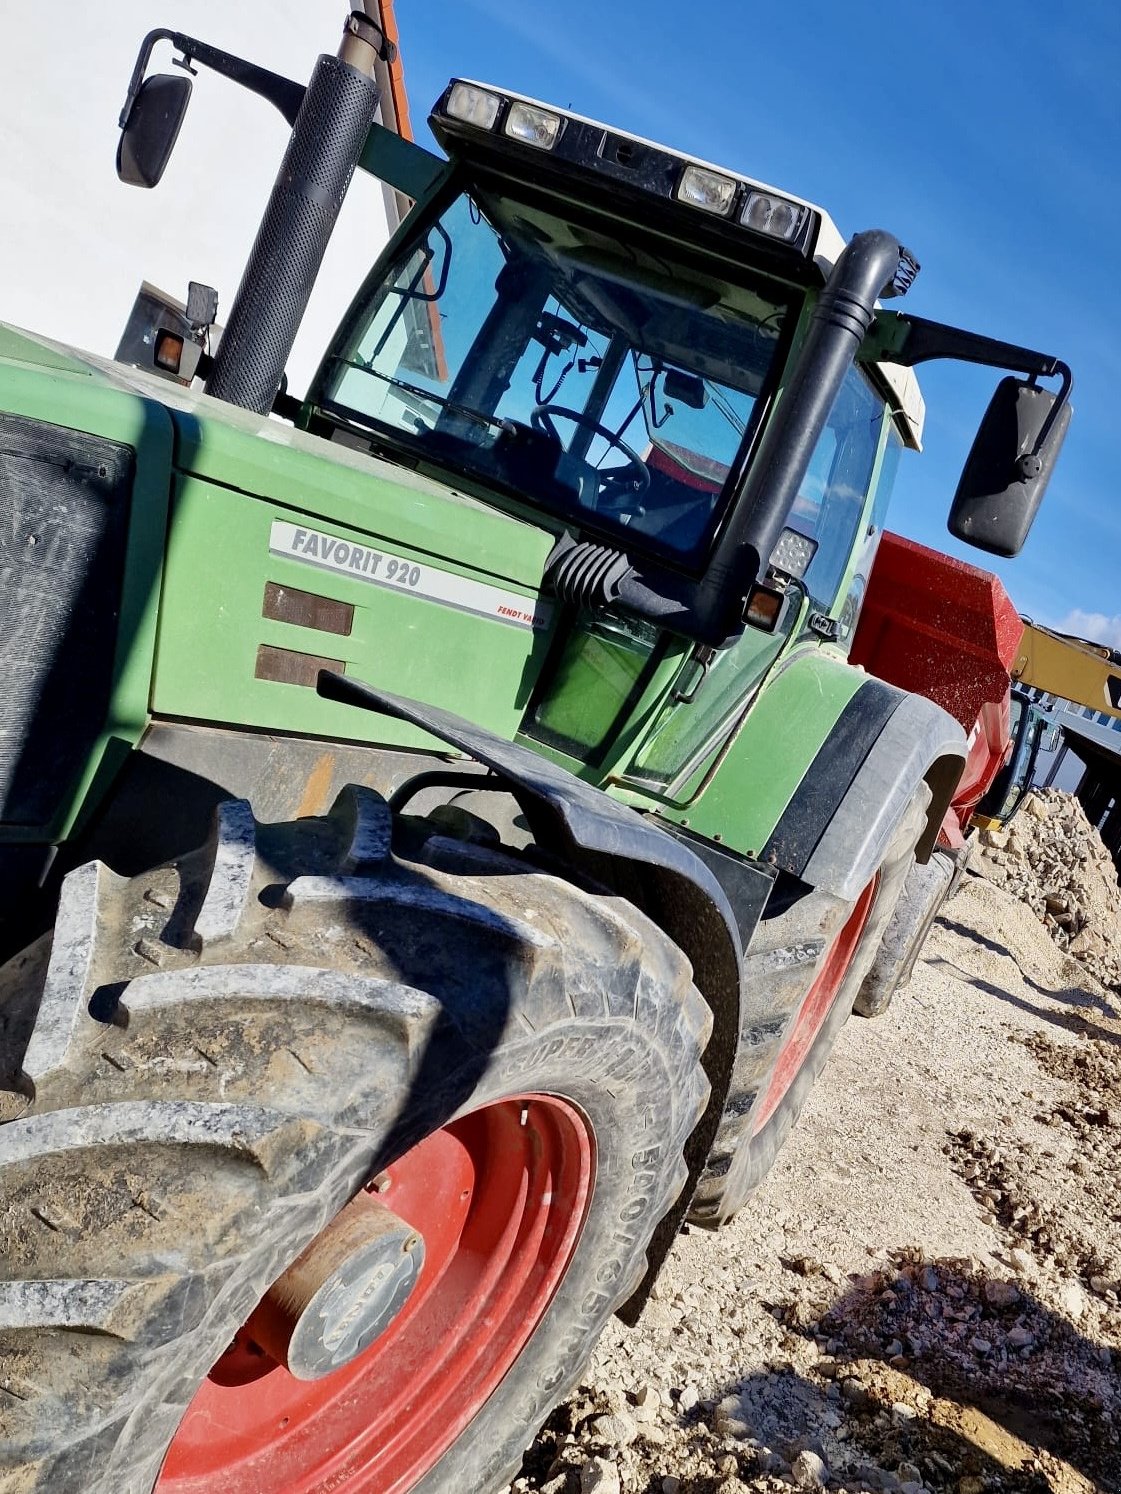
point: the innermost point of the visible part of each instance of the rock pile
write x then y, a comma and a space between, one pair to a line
872, 1394
806, 1350
1052, 858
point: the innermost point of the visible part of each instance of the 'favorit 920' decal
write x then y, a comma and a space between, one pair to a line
362, 563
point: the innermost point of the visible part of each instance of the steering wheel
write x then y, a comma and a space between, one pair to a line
629, 481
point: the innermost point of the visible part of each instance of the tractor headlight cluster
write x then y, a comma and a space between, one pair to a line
705, 189
474, 106
766, 212
578, 144
524, 122
793, 553
763, 212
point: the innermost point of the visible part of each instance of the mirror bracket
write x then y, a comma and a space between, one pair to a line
277, 90
897, 337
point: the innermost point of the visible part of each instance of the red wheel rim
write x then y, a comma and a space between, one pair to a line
500, 1198
814, 1009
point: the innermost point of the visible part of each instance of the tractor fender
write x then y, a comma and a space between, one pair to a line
885, 743
565, 813
636, 857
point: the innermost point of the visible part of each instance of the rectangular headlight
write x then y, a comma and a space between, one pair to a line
768, 213
532, 126
473, 106
706, 189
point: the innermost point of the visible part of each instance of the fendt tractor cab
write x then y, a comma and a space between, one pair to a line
442, 832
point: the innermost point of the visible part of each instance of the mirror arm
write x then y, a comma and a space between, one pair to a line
913, 339
282, 92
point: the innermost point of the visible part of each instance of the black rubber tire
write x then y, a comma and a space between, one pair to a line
213, 1058
926, 889
781, 965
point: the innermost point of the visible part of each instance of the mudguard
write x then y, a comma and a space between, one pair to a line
568, 810
836, 828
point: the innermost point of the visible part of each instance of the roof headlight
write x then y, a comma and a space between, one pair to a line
532, 126
777, 216
473, 106
706, 189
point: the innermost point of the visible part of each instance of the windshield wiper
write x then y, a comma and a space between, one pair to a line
477, 416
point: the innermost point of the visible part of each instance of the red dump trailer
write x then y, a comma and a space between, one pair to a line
949, 631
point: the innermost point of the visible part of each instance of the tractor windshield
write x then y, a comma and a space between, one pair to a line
547, 357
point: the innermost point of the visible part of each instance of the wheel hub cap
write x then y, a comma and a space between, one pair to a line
343, 1292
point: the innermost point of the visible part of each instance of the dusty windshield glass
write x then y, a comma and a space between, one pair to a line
550, 358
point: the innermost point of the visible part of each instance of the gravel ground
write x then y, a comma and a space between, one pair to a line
924, 1294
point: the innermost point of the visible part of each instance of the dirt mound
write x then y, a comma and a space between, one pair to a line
1054, 860
924, 1297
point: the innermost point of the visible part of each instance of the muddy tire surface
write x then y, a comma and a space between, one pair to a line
208, 1061
786, 957
926, 888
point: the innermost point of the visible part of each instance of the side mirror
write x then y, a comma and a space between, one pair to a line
685, 388
151, 129
1008, 467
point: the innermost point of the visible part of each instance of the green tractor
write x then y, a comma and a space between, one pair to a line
441, 831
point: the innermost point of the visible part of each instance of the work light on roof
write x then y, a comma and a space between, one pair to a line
706, 189
473, 106
532, 126
768, 213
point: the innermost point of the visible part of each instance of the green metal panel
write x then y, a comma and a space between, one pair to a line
402, 163
768, 759
686, 732
45, 383
594, 680
211, 627
20, 347
315, 476
612, 676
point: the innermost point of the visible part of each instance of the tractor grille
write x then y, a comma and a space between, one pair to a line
64, 501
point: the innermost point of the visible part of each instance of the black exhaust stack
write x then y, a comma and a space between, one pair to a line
327, 140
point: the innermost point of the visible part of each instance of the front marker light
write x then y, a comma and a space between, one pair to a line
776, 216
537, 127
763, 608
706, 189
473, 106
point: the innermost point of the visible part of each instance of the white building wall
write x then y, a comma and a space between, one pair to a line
75, 243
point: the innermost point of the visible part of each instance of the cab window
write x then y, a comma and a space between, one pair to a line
830, 503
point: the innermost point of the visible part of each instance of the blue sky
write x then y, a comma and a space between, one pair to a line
986, 135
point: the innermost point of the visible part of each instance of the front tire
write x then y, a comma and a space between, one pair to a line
216, 1057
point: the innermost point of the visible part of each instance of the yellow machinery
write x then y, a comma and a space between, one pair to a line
1089, 674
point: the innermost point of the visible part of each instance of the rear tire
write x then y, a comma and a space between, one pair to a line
925, 890
219, 1055
789, 953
